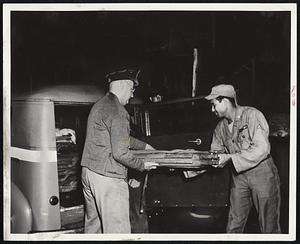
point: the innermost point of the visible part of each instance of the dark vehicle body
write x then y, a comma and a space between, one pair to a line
177, 204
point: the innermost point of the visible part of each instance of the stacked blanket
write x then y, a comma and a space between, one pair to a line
68, 160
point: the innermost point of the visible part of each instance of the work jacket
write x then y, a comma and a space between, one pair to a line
106, 150
248, 143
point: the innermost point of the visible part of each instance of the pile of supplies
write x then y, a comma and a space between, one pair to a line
68, 160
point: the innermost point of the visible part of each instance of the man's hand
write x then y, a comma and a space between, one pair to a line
149, 147
150, 165
134, 183
223, 159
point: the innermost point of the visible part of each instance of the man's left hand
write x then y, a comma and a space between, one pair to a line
134, 183
150, 165
223, 159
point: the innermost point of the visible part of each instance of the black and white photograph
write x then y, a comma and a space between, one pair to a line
147, 121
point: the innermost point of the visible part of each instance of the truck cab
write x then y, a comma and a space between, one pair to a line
45, 159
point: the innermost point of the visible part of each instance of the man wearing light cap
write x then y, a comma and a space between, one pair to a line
241, 137
106, 158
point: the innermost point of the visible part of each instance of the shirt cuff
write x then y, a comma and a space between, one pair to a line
235, 162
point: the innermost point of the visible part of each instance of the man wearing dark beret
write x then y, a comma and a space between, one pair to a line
106, 158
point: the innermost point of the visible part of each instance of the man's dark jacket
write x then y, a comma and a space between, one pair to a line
106, 150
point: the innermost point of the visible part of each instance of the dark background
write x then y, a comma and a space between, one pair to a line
250, 50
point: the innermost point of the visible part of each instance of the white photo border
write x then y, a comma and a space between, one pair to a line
8, 8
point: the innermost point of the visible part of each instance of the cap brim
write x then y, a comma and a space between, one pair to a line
211, 97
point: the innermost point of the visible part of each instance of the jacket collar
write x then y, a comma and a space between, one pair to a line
239, 112
113, 97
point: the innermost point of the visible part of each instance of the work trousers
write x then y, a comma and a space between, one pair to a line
259, 186
106, 203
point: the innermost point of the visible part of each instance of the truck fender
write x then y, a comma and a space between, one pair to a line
21, 213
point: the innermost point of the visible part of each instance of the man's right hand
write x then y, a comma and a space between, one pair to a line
150, 165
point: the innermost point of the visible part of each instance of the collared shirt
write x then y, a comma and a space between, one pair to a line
106, 150
248, 142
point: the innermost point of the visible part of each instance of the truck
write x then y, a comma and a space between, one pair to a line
48, 129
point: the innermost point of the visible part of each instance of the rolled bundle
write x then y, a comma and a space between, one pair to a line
178, 158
